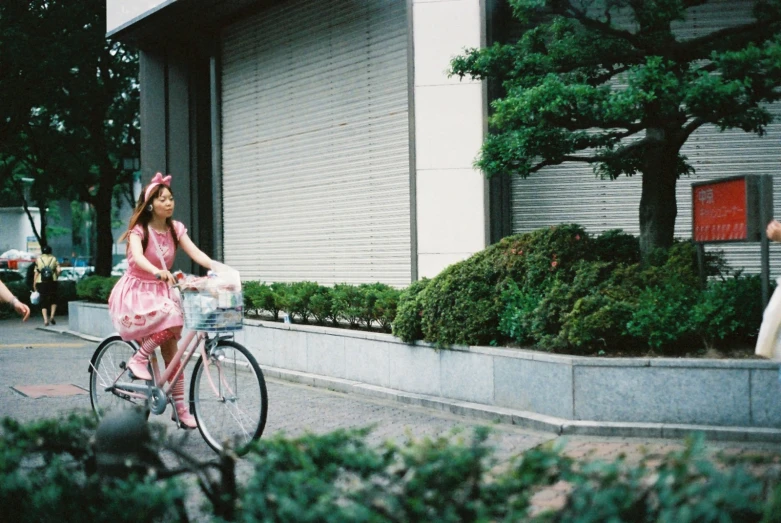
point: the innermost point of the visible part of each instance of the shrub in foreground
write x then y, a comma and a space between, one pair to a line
48, 472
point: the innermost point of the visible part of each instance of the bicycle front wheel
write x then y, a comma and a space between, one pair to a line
228, 397
107, 369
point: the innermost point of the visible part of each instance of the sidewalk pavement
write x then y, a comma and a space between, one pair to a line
761, 457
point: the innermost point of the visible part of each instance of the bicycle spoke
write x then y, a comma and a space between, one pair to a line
229, 397
108, 373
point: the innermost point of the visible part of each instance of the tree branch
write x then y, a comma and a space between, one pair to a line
605, 28
565, 158
688, 47
688, 129
597, 157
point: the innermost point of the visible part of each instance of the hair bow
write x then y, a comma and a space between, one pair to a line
158, 179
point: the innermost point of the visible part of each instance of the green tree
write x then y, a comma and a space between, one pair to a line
69, 105
578, 86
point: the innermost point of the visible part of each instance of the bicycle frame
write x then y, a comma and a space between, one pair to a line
192, 341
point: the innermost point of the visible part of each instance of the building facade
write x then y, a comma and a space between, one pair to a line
324, 140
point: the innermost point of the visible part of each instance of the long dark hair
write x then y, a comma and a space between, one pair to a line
142, 217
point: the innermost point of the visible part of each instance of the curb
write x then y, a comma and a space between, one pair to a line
524, 419
64, 330
530, 420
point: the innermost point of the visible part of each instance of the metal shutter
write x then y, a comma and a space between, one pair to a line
315, 143
571, 193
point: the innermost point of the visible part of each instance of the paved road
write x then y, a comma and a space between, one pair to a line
30, 355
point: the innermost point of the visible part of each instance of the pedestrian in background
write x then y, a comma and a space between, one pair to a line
47, 269
7, 296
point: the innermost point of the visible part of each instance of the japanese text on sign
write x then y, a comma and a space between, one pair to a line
720, 211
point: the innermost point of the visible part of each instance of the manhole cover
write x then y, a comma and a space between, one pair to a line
48, 391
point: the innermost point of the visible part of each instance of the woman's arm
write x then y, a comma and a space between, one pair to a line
774, 231
194, 252
7, 296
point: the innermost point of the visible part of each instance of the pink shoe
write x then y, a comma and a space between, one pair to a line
138, 365
186, 420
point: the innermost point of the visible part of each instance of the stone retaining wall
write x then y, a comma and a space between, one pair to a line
703, 392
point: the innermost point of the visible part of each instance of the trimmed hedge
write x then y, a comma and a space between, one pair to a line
96, 289
50, 471
366, 305
557, 289
560, 289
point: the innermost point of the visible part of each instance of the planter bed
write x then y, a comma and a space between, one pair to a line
727, 398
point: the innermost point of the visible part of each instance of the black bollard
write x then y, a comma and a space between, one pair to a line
123, 445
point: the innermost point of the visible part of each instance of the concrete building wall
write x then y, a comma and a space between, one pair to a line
451, 196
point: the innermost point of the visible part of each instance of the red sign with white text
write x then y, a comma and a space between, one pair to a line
720, 211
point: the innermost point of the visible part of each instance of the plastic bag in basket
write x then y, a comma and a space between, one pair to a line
226, 275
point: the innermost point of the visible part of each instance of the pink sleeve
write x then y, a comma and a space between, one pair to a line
138, 230
180, 229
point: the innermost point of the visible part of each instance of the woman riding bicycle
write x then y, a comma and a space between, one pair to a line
140, 305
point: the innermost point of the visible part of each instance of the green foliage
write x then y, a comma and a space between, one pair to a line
581, 83
407, 323
298, 298
685, 486
347, 303
379, 304
48, 473
728, 309
96, 288
465, 303
461, 305
69, 107
386, 307
561, 289
519, 305
322, 305
661, 315
588, 312
337, 477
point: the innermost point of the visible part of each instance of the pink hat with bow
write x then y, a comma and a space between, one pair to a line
158, 179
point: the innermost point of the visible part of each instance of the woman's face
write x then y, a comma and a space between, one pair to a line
163, 204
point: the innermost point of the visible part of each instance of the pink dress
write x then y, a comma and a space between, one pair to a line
141, 305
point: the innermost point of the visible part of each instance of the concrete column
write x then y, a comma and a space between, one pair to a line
451, 196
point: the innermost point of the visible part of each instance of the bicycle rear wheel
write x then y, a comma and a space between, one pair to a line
106, 365
229, 399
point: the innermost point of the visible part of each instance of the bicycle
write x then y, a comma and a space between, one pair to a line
228, 394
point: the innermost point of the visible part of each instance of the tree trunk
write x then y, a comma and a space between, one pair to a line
104, 248
658, 207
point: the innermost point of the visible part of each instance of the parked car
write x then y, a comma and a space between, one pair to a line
75, 273
120, 268
10, 276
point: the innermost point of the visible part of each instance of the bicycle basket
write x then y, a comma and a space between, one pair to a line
213, 310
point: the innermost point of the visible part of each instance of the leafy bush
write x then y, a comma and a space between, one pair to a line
65, 485
298, 297
49, 471
519, 305
487, 298
728, 309
685, 486
407, 323
322, 306
347, 303
461, 304
96, 288
386, 307
378, 304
